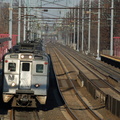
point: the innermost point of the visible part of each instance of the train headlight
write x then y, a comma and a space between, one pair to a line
37, 85
22, 56
13, 84
30, 57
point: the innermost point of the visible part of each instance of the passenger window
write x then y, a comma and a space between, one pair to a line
12, 66
25, 66
39, 68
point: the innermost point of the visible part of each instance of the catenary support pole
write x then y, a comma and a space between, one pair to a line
10, 24
83, 11
19, 21
78, 28
74, 46
112, 20
98, 39
89, 28
24, 31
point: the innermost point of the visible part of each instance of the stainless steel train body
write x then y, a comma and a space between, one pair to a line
25, 78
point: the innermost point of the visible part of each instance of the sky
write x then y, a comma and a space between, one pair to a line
52, 13
54, 3
50, 3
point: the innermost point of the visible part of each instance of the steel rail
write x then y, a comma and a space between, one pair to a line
36, 115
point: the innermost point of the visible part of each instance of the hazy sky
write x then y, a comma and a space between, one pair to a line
53, 3
50, 3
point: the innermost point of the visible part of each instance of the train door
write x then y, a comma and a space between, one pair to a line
25, 75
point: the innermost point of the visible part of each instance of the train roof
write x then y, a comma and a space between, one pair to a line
29, 47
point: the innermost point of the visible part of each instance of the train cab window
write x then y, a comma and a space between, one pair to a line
39, 68
12, 66
25, 66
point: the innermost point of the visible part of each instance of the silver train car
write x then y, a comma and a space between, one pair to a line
25, 78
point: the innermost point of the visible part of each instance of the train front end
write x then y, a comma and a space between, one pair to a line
26, 78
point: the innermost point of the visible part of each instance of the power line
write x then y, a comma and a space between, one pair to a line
53, 2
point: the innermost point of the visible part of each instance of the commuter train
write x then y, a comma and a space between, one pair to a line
26, 75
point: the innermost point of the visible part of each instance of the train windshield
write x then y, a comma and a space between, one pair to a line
25, 66
39, 68
12, 66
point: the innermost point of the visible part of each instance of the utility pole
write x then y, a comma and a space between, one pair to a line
98, 42
78, 28
74, 30
19, 21
28, 23
89, 28
112, 20
41, 19
83, 11
70, 28
28, 12
66, 24
74, 10
24, 31
10, 23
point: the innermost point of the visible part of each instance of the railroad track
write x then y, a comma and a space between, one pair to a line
24, 115
73, 58
70, 89
100, 66
96, 84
